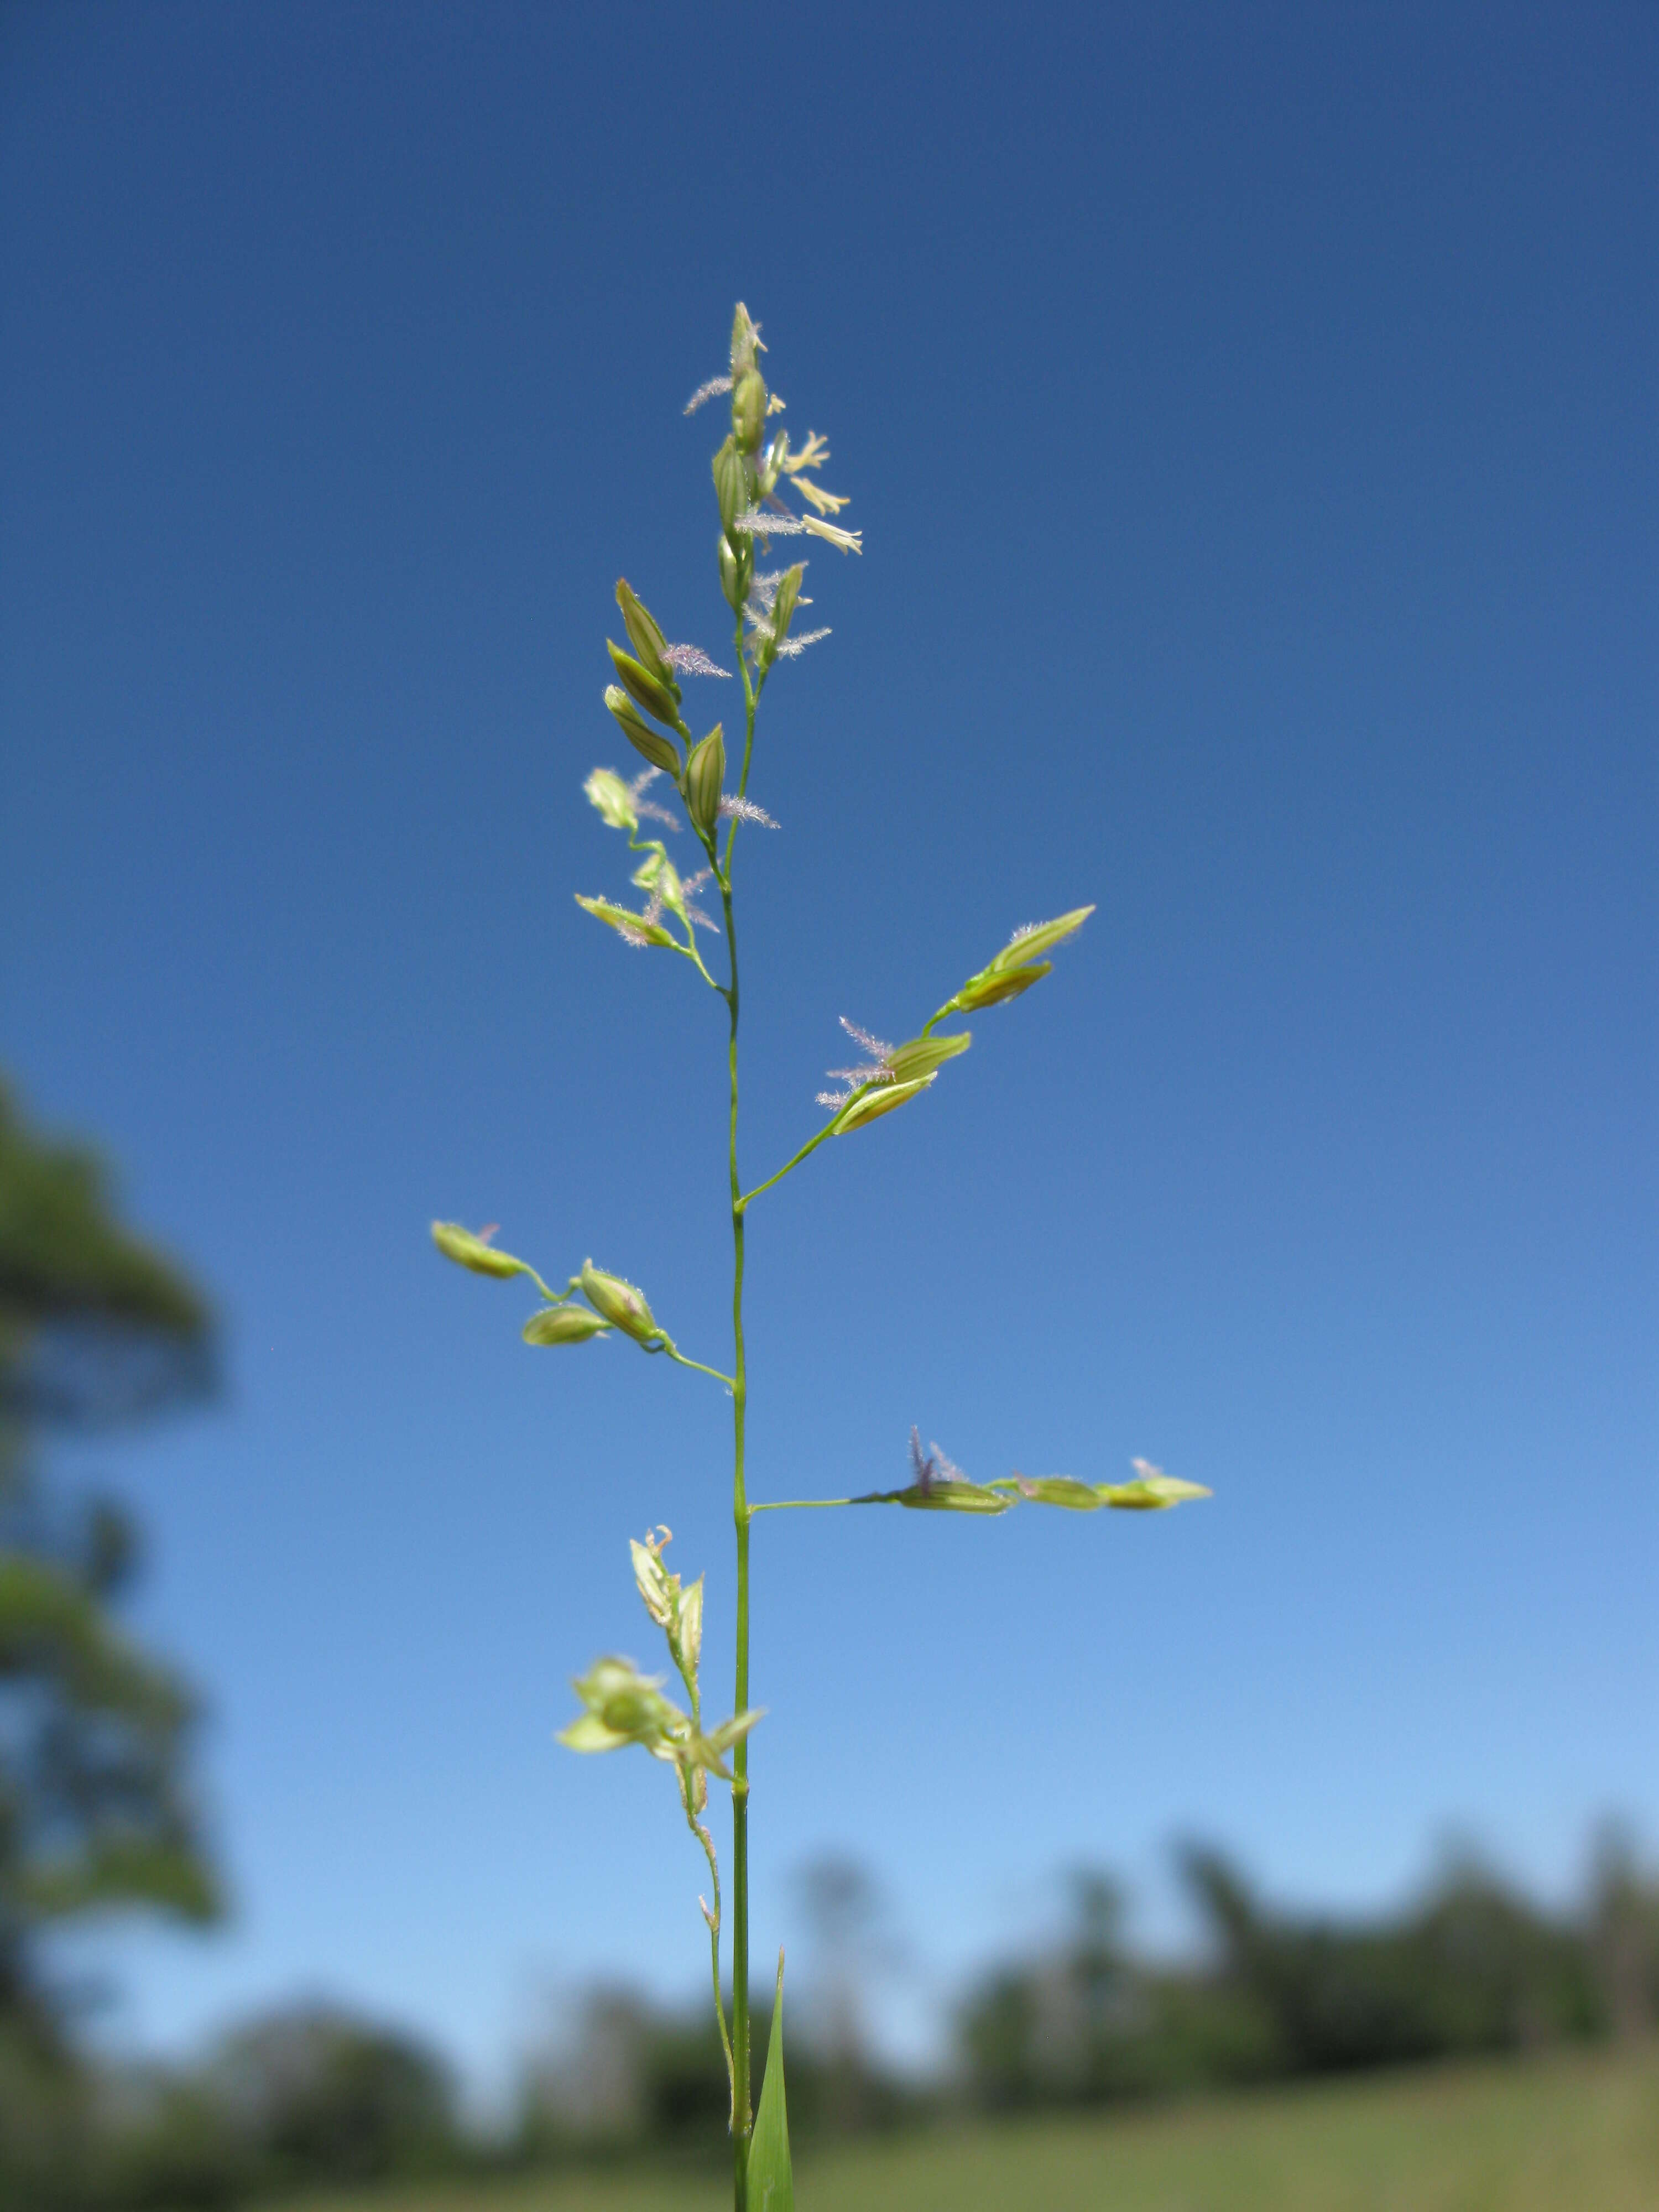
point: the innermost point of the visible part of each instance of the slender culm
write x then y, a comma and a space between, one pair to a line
741, 2111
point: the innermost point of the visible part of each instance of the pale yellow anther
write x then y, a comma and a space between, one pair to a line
827, 502
812, 455
846, 541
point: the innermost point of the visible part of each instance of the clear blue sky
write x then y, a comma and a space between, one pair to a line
1248, 413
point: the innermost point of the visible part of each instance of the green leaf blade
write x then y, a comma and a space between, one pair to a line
771, 2182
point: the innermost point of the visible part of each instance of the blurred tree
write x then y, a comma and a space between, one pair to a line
320, 2096
95, 1328
1087, 2022
1469, 1966
842, 1905
1623, 1920
1473, 1967
615, 2071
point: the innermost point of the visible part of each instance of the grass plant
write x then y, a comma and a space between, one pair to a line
756, 471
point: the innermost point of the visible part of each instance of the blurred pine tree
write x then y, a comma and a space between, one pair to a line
96, 1329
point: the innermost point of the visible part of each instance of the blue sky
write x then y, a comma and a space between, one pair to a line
1247, 411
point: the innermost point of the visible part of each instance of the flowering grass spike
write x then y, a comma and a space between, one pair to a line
754, 471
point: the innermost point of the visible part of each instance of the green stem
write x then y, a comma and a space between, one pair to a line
713, 1921
637, 844
810, 1146
803, 1505
680, 1359
692, 953
742, 2109
751, 691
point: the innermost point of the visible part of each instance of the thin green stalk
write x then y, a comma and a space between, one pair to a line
810, 1146
802, 1504
677, 1355
751, 691
688, 1799
692, 953
742, 2107
690, 1780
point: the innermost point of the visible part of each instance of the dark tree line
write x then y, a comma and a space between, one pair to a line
1472, 1967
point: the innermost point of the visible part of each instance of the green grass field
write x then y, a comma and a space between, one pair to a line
1565, 2135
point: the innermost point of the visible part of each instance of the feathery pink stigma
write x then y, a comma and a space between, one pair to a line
875, 1070
757, 523
712, 389
692, 660
764, 586
873, 1045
